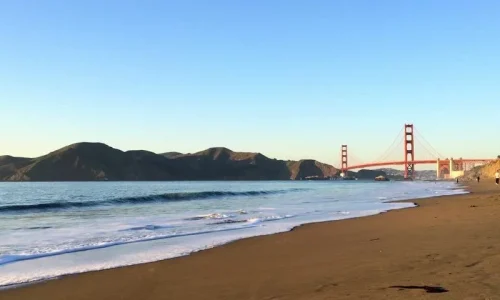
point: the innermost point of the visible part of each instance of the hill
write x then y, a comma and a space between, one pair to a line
310, 168
92, 161
171, 154
485, 171
223, 164
9, 164
97, 161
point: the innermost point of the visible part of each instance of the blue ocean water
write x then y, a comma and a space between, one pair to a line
52, 229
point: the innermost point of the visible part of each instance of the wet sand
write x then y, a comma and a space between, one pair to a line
447, 248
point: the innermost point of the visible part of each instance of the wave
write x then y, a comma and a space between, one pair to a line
168, 197
209, 216
253, 220
33, 228
147, 227
216, 216
11, 258
249, 223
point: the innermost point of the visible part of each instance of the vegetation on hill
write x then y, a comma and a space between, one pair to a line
92, 161
96, 161
370, 174
171, 154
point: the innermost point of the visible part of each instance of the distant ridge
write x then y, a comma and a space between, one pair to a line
97, 161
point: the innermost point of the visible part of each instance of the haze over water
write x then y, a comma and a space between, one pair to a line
123, 223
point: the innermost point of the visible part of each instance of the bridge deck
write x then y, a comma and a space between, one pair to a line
418, 162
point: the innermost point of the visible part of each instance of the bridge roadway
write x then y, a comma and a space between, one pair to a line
420, 162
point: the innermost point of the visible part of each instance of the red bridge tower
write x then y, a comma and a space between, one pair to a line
343, 152
409, 152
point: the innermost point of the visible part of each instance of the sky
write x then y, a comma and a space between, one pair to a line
290, 79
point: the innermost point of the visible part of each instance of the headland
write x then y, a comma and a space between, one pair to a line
100, 162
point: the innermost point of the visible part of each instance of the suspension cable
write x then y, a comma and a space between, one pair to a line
390, 150
427, 149
355, 158
429, 144
389, 154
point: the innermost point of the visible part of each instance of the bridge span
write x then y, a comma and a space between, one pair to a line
445, 168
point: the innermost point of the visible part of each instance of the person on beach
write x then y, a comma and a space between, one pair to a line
478, 178
497, 177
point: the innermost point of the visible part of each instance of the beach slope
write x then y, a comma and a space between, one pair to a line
447, 248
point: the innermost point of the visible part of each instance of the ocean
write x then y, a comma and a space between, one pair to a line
53, 229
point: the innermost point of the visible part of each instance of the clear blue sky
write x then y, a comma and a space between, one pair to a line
290, 79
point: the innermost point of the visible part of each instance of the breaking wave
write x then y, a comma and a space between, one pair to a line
168, 197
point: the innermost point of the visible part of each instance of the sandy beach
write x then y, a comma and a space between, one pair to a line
447, 248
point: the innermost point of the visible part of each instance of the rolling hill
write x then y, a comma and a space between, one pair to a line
97, 161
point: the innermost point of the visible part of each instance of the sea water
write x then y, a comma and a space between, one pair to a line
53, 229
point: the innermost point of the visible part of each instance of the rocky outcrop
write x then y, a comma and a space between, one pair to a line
485, 171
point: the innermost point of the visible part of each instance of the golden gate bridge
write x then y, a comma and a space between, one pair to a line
445, 167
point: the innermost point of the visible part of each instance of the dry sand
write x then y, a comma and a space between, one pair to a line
451, 244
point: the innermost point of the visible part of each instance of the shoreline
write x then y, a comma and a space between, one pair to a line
48, 285
203, 248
